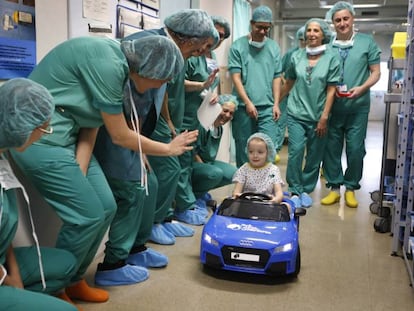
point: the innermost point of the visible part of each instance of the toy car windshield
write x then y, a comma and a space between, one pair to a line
254, 209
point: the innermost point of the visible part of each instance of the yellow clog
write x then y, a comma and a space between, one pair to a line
332, 198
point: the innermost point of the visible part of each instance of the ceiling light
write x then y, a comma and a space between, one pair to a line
356, 6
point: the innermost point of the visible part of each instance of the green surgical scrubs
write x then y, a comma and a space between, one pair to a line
211, 173
86, 77
282, 122
167, 169
349, 117
304, 108
58, 267
258, 69
197, 70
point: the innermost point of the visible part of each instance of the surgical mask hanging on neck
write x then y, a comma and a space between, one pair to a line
315, 50
344, 44
257, 44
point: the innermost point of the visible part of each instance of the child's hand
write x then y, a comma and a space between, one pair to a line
236, 195
275, 199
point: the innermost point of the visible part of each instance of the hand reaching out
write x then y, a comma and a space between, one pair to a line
181, 142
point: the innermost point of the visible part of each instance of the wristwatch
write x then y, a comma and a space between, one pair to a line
3, 269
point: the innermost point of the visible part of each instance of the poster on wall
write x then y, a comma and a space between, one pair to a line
17, 38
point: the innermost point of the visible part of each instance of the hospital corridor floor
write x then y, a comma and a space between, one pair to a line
346, 265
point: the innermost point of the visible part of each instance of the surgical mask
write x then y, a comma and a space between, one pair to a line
343, 44
257, 44
315, 50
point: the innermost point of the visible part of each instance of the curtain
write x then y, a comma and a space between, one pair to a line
241, 18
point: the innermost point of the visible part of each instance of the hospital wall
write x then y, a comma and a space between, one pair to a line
52, 29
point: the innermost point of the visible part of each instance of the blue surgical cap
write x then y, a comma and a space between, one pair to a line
262, 14
339, 6
271, 152
300, 34
24, 106
225, 98
153, 57
324, 27
218, 20
191, 22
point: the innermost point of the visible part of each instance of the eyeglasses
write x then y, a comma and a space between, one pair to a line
261, 27
47, 130
309, 74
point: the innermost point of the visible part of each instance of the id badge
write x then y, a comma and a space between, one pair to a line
7, 178
342, 88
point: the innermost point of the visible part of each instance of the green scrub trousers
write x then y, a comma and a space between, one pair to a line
207, 176
59, 266
243, 126
167, 170
134, 217
352, 128
302, 135
85, 204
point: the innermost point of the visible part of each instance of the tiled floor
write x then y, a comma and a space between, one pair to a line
346, 265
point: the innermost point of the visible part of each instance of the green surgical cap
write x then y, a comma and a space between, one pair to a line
271, 152
225, 98
218, 20
24, 106
300, 34
153, 57
191, 22
262, 14
324, 27
339, 6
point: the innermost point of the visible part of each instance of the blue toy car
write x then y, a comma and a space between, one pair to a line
254, 235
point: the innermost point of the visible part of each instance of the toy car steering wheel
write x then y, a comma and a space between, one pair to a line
253, 196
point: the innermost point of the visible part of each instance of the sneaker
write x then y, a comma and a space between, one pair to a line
350, 199
306, 200
332, 198
296, 200
148, 259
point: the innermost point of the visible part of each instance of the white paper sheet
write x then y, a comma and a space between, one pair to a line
208, 113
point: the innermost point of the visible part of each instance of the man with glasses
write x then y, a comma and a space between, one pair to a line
255, 66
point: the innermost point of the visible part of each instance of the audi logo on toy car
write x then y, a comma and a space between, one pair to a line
246, 243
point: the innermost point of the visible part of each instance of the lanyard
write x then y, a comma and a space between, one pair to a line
135, 126
343, 53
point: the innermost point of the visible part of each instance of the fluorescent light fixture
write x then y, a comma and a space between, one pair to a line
356, 6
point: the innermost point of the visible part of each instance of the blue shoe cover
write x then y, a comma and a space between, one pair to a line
125, 275
148, 258
296, 200
191, 217
201, 208
306, 200
178, 229
206, 197
161, 236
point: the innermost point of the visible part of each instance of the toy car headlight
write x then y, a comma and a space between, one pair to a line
283, 248
210, 240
